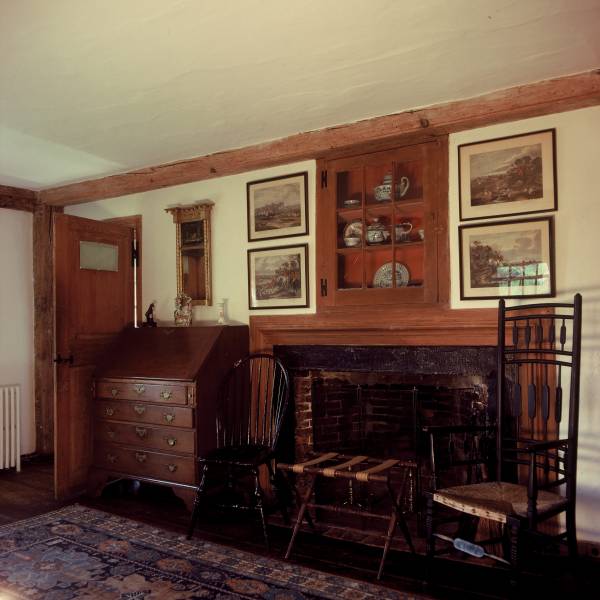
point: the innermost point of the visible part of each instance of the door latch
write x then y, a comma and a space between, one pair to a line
323, 287
59, 360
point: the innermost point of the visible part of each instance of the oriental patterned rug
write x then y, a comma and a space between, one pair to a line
78, 552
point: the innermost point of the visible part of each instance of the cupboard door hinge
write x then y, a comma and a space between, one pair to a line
323, 180
134, 254
323, 287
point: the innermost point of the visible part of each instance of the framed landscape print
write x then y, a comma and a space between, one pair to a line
278, 277
507, 176
507, 259
278, 207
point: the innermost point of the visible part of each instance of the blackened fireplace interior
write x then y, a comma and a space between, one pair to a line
374, 400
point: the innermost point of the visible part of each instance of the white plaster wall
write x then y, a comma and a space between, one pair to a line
229, 239
577, 227
16, 314
577, 234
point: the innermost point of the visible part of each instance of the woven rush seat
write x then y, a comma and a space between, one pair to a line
495, 500
366, 470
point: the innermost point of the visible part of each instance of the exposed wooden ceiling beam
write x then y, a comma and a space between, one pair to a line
545, 97
17, 198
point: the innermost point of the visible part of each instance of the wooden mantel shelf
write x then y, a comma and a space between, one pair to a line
363, 326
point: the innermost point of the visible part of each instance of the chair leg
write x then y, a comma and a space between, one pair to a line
197, 500
301, 512
282, 501
430, 543
513, 527
571, 532
259, 500
429, 527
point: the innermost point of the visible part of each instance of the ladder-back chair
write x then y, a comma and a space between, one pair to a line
534, 479
251, 408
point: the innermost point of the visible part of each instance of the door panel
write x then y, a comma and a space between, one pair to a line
92, 307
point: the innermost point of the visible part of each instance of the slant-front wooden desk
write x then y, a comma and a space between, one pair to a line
154, 405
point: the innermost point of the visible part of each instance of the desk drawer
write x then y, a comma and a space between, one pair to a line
166, 439
146, 392
144, 463
141, 412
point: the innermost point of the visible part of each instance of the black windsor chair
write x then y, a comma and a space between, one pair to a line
538, 399
251, 408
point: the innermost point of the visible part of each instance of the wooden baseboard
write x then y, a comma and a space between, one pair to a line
588, 549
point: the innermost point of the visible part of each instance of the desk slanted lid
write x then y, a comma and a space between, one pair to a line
176, 353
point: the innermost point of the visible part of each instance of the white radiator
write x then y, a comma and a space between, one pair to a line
10, 427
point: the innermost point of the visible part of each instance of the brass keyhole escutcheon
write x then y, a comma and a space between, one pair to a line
172, 468
112, 458
114, 392
140, 410
166, 395
171, 441
141, 457
109, 411
139, 388
111, 434
169, 418
141, 432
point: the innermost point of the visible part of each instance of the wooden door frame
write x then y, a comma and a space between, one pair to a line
135, 222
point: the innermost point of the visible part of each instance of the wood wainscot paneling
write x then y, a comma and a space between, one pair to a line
394, 326
415, 125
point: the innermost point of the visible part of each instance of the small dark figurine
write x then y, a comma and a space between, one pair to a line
150, 322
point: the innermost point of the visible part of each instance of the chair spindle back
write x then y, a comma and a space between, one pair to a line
539, 354
252, 402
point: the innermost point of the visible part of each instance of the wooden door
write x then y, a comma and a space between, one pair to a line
94, 302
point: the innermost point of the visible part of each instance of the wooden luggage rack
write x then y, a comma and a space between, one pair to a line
363, 469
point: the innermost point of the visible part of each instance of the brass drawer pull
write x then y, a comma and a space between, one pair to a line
112, 458
166, 395
141, 432
109, 412
171, 441
139, 388
172, 468
111, 434
140, 410
114, 392
141, 457
169, 418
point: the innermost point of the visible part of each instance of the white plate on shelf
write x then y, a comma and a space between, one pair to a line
351, 202
383, 276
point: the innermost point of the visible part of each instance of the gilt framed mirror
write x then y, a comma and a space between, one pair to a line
193, 251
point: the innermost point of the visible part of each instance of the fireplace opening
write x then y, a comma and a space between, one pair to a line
374, 400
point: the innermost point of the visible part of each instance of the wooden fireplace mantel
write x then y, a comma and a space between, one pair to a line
363, 326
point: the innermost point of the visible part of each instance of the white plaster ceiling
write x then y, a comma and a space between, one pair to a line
90, 88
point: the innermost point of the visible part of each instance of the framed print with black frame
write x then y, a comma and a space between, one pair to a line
278, 277
277, 207
513, 175
507, 259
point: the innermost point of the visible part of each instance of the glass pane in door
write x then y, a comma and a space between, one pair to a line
349, 188
349, 269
